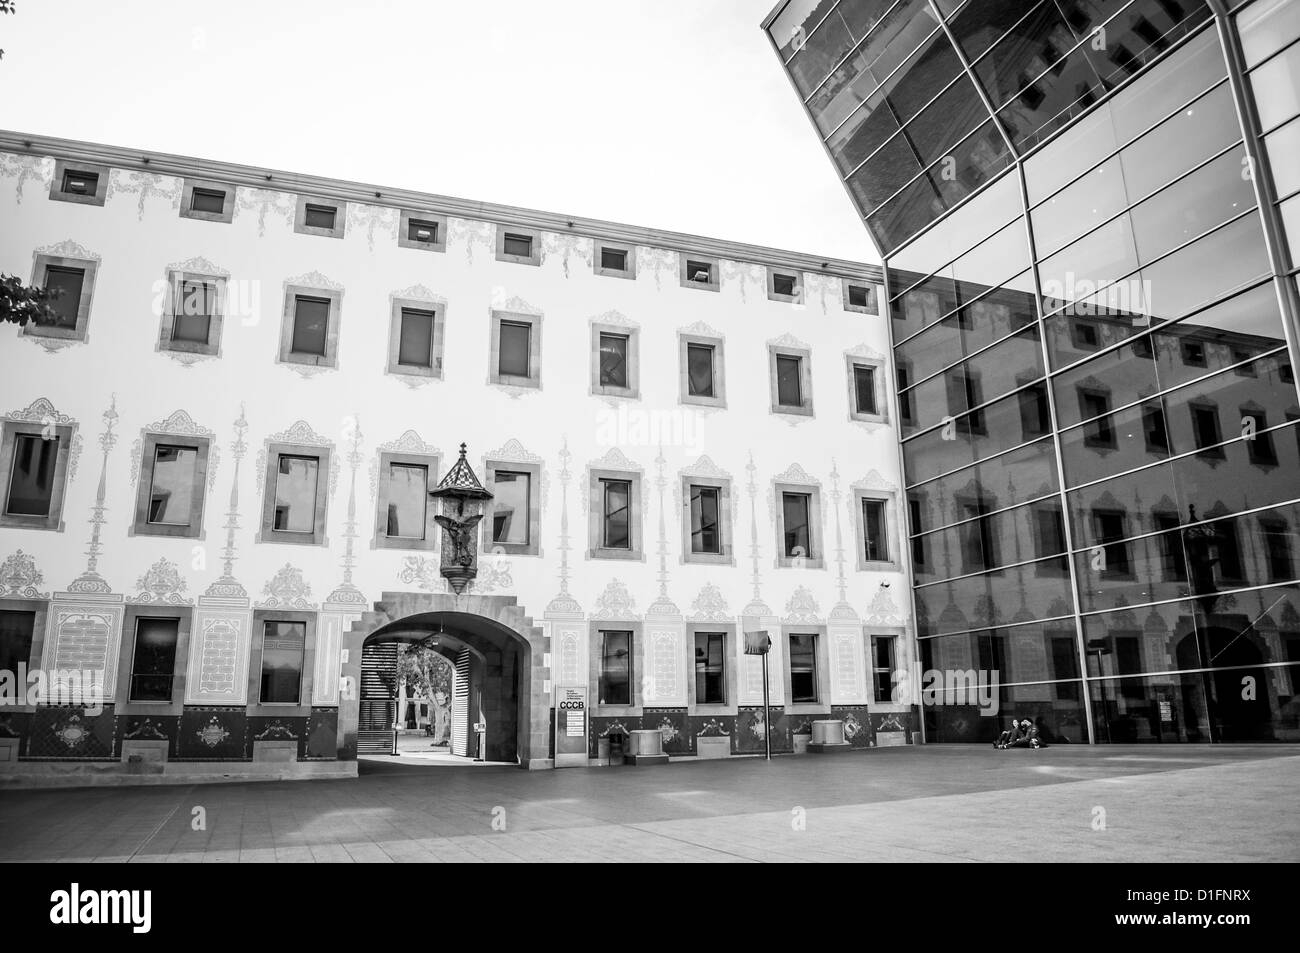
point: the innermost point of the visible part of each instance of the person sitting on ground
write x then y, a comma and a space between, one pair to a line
1029, 737
1008, 736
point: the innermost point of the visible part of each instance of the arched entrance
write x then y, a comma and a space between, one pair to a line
499, 649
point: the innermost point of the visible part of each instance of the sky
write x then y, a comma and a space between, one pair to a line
671, 114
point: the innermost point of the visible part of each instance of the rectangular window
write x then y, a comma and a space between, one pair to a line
615, 668
153, 663
613, 259
700, 272
195, 307
1099, 432
296, 488
418, 230
311, 319
1205, 427
616, 524
699, 370
408, 500
788, 386
319, 216
1086, 336
860, 296
415, 343
613, 360
80, 183
1035, 418
32, 476
521, 246
1173, 565
1049, 538
1277, 550
67, 284
864, 389
1109, 527
1193, 352
803, 668
706, 536
795, 524
510, 514
978, 539
284, 649
17, 629
208, 200
516, 342
1259, 445
171, 491
710, 668
784, 285
874, 533
882, 668
1153, 428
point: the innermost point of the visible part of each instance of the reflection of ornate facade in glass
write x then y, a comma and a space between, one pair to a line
1089, 214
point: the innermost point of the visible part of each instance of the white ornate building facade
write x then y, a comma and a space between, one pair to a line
215, 469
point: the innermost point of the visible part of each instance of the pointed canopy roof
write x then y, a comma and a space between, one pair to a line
461, 482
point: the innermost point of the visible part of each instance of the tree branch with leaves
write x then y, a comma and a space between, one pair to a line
21, 304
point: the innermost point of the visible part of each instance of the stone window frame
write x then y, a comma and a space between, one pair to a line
727, 554
258, 708
317, 537
633, 334
62, 166
404, 228
816, 536
432, 541
140, 525
773, 295
718, 344
534, 470
596, 511
227, 213
630, 250
534, 257
53, 521
804, 354
899, 635
534, 379
873, 299
90, 267
40, 609
877, 366
594, 639
340, 217
893, 539
821, 655
212, 347
731, 663
715, 272
135, 611
331, 356
437, 348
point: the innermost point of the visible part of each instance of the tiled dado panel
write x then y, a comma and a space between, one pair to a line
857, 724
748, 737
273, 728
70, 734
322, 742
213, 734
149, 728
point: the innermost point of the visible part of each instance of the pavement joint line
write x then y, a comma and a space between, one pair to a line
161, 824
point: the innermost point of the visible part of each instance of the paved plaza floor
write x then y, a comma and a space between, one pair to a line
931, 803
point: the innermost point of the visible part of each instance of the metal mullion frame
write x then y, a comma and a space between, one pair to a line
1152, 329
971, 356
994, 628
989, 571
1144, 199
808, 33
966, 251
979, 297
1159, 258
1203, 521
1005, 509
1174, 457
1192, 598
1186, 671
1281, 348
978, 407
857, 45
975, 463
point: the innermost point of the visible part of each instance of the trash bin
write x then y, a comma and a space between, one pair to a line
617, 745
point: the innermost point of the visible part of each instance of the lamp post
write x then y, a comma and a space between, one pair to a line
459, 503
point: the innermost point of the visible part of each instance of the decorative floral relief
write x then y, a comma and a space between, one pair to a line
563, 603
615, 603
663, 606
614, 317
493, 576
67, 249
287, 589
162, 584
701, 329
709, 605
146, 185
20, 579
182, 424
787, 340
883, 610
795, 473
660, 261
423, 572
264, 202
417, 292
802, 609
567, 245
514, 303
745, 274
471, 233
35, 168
373, 218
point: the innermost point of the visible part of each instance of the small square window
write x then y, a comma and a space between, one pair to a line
1193, 353
418, 230
613, 259
80, 183
208, 200
860, 297
784, 286
320, 216
423, 231
699, 272
520, 246
1241, 358
1142, 348
1086, 335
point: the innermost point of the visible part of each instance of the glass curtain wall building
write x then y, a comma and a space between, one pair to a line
1089, 214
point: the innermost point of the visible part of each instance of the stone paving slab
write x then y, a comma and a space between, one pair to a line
929, 804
